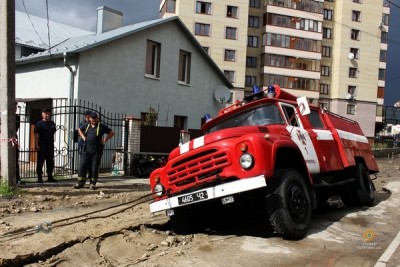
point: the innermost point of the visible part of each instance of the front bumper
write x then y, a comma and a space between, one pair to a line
213, 192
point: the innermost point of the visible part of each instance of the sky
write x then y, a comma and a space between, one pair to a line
83, 14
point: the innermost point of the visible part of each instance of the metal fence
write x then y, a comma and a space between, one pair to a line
67, 117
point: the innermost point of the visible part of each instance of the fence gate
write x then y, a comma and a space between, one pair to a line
67, 117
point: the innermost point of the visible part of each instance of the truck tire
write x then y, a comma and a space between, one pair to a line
289, 207
365, 188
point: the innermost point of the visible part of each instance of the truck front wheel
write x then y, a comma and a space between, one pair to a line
364, 186
289, 206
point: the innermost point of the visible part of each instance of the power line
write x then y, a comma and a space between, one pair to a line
33, 26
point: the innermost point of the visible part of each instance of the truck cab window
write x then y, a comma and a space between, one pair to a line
290, 115
315, 120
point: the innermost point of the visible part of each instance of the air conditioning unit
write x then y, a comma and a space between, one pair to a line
350, 97
380, 26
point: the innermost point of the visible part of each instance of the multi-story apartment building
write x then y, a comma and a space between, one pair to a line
332, 51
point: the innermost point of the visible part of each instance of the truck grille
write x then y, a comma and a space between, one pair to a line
198, 167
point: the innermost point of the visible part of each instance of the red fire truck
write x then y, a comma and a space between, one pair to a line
272, 151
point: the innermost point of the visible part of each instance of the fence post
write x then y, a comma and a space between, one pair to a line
131, 141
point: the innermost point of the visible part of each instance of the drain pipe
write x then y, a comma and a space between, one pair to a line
71, 100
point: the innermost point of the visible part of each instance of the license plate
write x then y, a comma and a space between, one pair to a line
192, 197
227, 200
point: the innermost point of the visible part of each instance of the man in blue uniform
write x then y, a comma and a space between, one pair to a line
92, 135
44, 145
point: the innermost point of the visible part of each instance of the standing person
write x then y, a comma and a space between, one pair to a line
44, 145
81, 143
17, 123
92, 135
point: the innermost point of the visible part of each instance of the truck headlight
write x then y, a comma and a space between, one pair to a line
246, 161
158, 189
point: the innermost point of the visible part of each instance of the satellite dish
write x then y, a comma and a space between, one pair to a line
350, 55
222, 94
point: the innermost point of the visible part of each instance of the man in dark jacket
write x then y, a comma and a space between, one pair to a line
44, 145
92, 135
81, 143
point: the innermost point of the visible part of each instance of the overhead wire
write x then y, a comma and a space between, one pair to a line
33, 26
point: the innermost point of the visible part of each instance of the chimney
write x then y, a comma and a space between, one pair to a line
108, 19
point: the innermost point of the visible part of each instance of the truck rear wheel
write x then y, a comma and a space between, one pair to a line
289, 207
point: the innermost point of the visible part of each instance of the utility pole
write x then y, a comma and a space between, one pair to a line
7, 91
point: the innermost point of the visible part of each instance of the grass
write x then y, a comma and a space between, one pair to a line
9, 191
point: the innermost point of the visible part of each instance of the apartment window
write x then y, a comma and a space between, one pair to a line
230, 75
357, 1
351, 109
232, 11
254, 22
230, 55
352, 72
323, 105
351, 89
250, 81
328, 14
184, 67
203, 7
381, 92
153, 52
179, 122
382, 74
171, 4
252, 41
251, 62
383, 56
254, 3
355, 52
385, 19
379, 111
324, 89
202, 29
384, 37
356, 16
355, 34
230, 33
327, 33
326, 51
325, 70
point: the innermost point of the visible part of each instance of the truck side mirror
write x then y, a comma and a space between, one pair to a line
303, 105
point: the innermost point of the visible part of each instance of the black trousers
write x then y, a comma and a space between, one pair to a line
17, 176
90, 160
48, 156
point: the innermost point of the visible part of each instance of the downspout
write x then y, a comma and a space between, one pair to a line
70, 131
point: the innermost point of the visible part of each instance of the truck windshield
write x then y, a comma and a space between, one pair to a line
261, 115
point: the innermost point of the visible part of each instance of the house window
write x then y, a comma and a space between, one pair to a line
328, 14
179, 122
254, 22
327, 33
325, 70
355, 34
171, 4
383, 56
203, 7
230, 33
382, 74
352, 72
202, 29
251, 62
153, 52
254, 3
356, 16
351, 109
324, 89
351, 89
355, 52
230, 55
326, 51
184, 67
231, 11
230, 75
252, 41
250, 81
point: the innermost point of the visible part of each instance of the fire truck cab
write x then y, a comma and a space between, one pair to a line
273, 151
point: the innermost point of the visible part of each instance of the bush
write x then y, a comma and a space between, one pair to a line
9, 191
